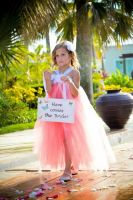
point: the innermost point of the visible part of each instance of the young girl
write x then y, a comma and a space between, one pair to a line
82, 144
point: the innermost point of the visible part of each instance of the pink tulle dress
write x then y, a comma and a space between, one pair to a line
87, 142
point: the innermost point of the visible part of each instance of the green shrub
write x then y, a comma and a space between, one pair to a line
97, 82
39, 92
119, 79
13, 111
27, 95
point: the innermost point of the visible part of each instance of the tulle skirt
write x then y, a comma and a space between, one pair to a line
86, 139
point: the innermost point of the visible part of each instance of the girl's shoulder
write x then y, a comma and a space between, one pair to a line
75, 72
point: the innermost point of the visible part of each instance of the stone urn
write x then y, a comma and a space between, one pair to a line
115, 108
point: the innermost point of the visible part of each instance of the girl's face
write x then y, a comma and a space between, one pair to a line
63, 58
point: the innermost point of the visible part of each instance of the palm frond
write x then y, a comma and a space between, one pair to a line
124, 6
123, 22
37, 15
111, 22
66, 27
10, 54
23, 19
99, 12
128, 7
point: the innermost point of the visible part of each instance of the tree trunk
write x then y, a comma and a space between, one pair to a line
48, 41
84, 47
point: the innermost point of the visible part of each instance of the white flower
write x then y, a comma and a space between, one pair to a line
32, 195
69, 46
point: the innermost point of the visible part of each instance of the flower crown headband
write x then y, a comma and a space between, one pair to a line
69, 46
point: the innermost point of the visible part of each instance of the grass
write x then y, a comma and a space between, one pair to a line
16, 127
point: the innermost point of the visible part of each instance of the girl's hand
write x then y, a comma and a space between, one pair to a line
66, 79
74, 82
47, 75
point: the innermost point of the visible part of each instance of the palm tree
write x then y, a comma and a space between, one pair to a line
110, 19
25, 21
102, 19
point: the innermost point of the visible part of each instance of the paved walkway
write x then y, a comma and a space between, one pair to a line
19, 167
16, 148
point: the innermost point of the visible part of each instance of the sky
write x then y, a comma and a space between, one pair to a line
43, 42
53, 38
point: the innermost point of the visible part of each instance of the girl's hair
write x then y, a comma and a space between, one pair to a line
68, 46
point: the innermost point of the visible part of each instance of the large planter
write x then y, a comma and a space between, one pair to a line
115, 108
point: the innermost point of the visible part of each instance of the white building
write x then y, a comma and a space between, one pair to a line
118, 58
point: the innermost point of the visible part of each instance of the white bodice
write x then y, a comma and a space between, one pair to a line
56, 78
56, 75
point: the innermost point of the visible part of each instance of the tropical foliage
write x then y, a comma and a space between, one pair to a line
21, 87
120, 79
115, 81
31, 19
99, 21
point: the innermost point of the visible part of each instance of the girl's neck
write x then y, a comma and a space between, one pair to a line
63, 69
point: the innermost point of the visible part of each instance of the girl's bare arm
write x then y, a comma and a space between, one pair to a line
74, 82
47, 76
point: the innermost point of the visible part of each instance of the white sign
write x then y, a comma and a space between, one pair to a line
56, 110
